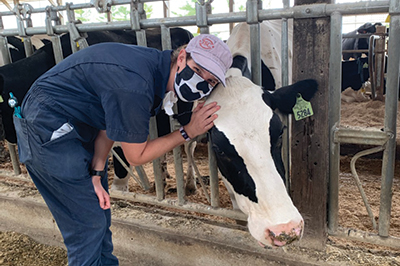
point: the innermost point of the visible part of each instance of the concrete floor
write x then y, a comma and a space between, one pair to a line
150, 238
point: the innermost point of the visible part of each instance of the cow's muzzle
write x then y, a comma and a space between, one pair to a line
283, 234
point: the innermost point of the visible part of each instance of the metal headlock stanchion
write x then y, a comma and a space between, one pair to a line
137, 13
7, 60
203, 10
392, 96
159, 179
51, 16
286, 119
252, 18
385, 140
335, 78
3, 45
376, 62
78, 39
23, 14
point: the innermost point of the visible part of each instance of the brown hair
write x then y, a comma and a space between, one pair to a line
175, 53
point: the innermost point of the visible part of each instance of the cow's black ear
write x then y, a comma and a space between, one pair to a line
285, 98
268, 99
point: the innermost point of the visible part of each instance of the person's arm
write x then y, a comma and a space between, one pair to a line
202, 120
102, 147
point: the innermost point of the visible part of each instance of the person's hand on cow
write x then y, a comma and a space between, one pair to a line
202, 119
102, 195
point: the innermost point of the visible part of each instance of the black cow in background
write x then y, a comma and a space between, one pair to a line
19, 76
354, 73
358, 43
16, 46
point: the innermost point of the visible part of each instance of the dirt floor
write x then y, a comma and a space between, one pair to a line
16, 249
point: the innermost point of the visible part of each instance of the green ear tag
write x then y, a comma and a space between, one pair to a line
302, 108
1, 99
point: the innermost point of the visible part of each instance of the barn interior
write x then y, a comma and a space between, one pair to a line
352, 211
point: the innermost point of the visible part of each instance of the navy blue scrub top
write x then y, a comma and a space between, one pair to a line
110, 86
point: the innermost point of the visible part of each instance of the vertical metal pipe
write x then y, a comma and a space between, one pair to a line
11, 147
285, 52
214, 180
201, 17
25, 39
28, 45
335, 70
255, 53
165, 38
166, 9
231, 25
180, 182
4, 50
57, 49
177, 152
159, 183
158, 180
14, 157
141, 38
392, 96
285, 81
379, 65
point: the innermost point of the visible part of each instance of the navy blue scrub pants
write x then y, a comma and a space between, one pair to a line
60, 170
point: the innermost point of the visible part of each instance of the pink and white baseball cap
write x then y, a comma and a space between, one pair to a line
211, 53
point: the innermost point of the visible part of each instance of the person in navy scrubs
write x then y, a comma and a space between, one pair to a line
72, 115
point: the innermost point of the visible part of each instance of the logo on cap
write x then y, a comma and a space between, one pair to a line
206, 43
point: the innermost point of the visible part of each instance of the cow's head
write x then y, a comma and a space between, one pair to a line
247, 142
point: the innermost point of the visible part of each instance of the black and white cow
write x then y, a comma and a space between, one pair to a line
246, 137
354, 73
349, 43
248, 152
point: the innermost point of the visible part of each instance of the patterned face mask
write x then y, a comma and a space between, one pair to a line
189, 86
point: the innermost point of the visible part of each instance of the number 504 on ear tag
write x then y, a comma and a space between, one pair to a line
302, 108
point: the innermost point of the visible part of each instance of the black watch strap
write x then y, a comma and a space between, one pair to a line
99, 173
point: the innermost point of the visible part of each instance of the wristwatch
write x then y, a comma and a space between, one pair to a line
99, 173
184, 134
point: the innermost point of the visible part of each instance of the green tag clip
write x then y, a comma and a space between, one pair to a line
302, 108
1, 99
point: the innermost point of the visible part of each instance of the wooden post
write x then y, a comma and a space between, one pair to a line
310, 136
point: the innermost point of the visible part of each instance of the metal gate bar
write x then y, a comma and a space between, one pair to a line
392, 97
304, 11
335, 70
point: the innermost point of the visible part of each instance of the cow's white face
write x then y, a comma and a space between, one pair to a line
241, 139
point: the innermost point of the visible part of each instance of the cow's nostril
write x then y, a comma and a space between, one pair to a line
283, 234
